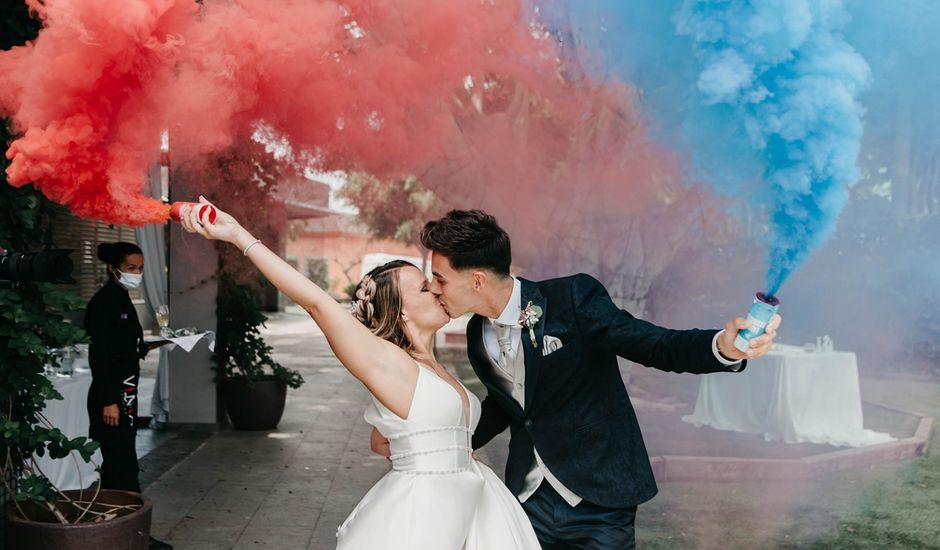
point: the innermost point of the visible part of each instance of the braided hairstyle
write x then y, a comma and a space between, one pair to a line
378, 304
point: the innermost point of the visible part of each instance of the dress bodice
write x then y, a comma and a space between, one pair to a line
437, 497
435, 438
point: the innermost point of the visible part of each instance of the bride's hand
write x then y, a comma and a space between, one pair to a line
380, 444
225, 228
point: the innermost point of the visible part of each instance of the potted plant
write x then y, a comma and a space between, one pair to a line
254, 385
31, 323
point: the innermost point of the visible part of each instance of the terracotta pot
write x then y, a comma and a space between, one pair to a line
43, 531
259, 408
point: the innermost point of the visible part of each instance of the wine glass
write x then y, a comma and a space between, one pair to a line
163, 319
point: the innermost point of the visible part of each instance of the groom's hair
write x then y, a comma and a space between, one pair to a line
469, 239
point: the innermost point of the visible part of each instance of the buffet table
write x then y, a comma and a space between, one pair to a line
790, 395
71, 416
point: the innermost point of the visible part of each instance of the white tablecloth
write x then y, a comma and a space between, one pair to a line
789, 395
71, 416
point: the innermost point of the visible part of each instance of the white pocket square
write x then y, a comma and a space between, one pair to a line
550, 344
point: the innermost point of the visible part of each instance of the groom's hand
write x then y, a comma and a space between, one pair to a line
759, 346
379, 444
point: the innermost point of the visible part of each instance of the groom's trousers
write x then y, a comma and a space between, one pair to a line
559, 526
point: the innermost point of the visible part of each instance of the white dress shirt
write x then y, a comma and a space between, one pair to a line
514, 381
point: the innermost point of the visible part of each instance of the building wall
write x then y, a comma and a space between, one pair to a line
193, 264
344, 252
344, 245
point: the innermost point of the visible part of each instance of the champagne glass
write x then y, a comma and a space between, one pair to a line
163, 319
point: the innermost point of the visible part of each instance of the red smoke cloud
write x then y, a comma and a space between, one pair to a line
576, 181
361, 84
472, 97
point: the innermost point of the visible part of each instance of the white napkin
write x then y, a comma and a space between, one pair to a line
187, 343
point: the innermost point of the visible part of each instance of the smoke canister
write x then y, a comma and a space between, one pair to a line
762, 311
206, 211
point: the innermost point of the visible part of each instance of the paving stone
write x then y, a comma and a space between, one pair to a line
288, 488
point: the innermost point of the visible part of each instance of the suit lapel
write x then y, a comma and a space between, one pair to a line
533, 354
481, 362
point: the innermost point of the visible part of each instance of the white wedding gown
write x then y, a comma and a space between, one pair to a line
436, 496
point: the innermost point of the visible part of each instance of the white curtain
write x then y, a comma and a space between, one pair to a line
152, 240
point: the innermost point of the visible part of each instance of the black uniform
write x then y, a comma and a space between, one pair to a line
114, 355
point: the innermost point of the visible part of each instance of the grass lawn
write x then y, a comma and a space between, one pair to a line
902, 512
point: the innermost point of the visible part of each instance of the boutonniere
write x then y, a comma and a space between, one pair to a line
528, 318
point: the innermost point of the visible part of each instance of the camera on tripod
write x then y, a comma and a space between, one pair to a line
49, 266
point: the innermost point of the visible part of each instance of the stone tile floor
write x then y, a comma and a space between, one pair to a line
286, 489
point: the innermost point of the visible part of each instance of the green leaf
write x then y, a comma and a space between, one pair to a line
31, 322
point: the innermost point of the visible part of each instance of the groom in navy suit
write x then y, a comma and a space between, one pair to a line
547, 353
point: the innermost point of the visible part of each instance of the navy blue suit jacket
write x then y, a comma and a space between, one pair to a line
577, 412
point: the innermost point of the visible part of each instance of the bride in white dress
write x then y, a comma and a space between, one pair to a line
437, 496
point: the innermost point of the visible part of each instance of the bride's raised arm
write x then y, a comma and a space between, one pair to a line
379, 364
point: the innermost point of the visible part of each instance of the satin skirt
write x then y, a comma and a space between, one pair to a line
465, 510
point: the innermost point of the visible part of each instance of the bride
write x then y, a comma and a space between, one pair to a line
437, 496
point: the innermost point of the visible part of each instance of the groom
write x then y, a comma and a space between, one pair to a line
547, 353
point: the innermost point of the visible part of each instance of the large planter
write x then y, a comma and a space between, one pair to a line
258, 408
130, 532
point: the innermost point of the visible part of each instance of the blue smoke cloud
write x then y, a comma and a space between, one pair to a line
794, 82
763, 94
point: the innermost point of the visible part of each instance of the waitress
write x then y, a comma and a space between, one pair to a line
117, 346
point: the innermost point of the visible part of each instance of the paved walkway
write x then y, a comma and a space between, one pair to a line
286, 489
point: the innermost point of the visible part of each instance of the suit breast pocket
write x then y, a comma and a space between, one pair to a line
569, 352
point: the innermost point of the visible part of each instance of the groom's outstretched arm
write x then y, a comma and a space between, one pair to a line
607, 327
493, 421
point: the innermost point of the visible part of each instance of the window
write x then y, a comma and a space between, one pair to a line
83, 237
318, 271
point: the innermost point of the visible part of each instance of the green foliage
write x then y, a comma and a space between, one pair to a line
395, 209
35, 488
251, 176
318, 270
240, 350
31, 323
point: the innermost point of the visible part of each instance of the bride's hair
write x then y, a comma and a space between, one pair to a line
378, 304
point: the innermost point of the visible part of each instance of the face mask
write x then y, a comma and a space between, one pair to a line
130, 281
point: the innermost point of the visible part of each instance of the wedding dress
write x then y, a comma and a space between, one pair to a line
436, 496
